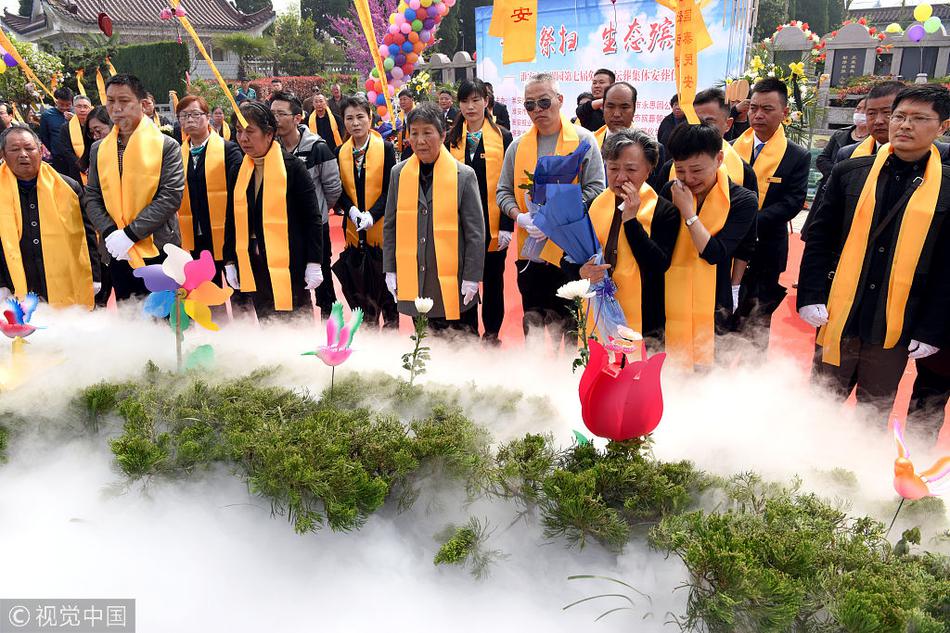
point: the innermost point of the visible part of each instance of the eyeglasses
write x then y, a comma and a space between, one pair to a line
191, 116
913, 120
540, 104
281, 114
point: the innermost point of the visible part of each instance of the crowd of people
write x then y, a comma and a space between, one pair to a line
693, 224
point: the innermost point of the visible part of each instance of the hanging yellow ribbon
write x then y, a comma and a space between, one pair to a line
101, 86
366, 21
112, 72
691, 37
214, 69
79, 77
10, 48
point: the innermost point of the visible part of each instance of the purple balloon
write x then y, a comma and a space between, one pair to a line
424, 36
428, 24
400, 59
9, 60
916, 33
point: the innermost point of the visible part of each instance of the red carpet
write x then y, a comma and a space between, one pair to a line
790, 336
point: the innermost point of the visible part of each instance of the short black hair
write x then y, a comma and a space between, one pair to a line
713, 95
585, 95
771, 84
134, 83
63, 93
674, 100
426, 112
606, 71
295, 106
937, 96
687, 140
446, 91
356, 101
258, 113
887, 88
405, 93
276, 81
631, 87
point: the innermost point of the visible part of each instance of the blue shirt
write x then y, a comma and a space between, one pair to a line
250, 95
50, 123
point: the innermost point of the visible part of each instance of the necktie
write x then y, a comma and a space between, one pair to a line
757, 150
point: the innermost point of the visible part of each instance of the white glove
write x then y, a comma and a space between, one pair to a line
504, 239
312, 276
735, 297
920, 350
391, 284
364, 221
525, 222
354, 215
469, 291
814, 315
118, 245
231, 275
5, 294
96, 287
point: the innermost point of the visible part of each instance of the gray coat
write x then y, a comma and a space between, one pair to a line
159, 219
471, 239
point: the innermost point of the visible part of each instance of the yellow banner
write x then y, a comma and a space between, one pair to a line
366, 21
79, 76
691, 37
10, 48
516, 22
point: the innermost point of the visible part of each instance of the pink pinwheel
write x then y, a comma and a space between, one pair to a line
912, 485
181, 280
621, 400
339, 337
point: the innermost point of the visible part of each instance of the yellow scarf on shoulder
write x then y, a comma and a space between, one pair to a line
733, 162
216, 184
225, 131
526, 160
866, 148
126, 197
65, 250
915, 225
276, 238
768, 159
373, 162
691, 285
312, 124
77, 141
494, 157
601, 136
626, 275
445, 223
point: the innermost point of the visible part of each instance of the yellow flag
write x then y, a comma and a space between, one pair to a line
496, 28
520, 19
79, 76
101, 85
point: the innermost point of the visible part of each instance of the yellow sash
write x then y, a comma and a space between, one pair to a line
866, 148
526, 160
691, 285
601, 136
312, 124
101, 86
494, 146
915, 225
626, 274
126, 197
733, 162
276, 237
768, 159
76, 140
157, 120
225, 131
65, 251
216, 184
445, 223
373, 163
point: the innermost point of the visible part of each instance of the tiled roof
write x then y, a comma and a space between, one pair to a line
901, 15
203, 14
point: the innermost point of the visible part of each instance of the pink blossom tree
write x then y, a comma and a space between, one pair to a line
354, 42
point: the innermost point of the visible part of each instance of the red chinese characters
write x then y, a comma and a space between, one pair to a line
609, 35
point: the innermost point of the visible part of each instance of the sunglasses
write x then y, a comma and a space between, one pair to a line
540, 104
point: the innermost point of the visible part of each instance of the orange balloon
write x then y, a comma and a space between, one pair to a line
378, 86
381, 110
413, 37
411, 58
418, 46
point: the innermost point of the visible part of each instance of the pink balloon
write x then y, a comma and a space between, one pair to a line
390, 87
405, 27
414, 4
443, 9
449, 3
397, 73
384, 51
371, 96
400, 19
393, 29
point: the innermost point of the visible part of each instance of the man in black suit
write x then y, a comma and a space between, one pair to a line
591, 113
498, 110
875, 275
449, 111
877, 109
781, 169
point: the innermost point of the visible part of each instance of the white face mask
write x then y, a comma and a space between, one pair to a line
859, 118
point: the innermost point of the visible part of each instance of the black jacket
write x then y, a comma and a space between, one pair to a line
31, 242
70, 160
928, 305
304, 224
477, 162
590, 118
198, 193
326, 132
500, 112
736, 237
378, 210
829, 155
783, 201
666, 127
449, 116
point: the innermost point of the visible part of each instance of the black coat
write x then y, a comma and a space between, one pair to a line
304, 225
588, 117
326, 132
928, 304
378, 210
70, 160
450, 116
783, 201
198, 193
500, 112
666, 127
477, 162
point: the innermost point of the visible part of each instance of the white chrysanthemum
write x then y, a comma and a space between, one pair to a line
572, 290
423, 305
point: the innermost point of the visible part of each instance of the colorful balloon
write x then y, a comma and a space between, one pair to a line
916, 32
894, 27
932, 24
9, 60
922, 12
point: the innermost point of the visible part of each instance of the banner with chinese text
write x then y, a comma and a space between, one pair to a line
576, 37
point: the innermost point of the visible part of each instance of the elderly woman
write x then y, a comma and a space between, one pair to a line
219, 124
636, 229
211, 169
273, 240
